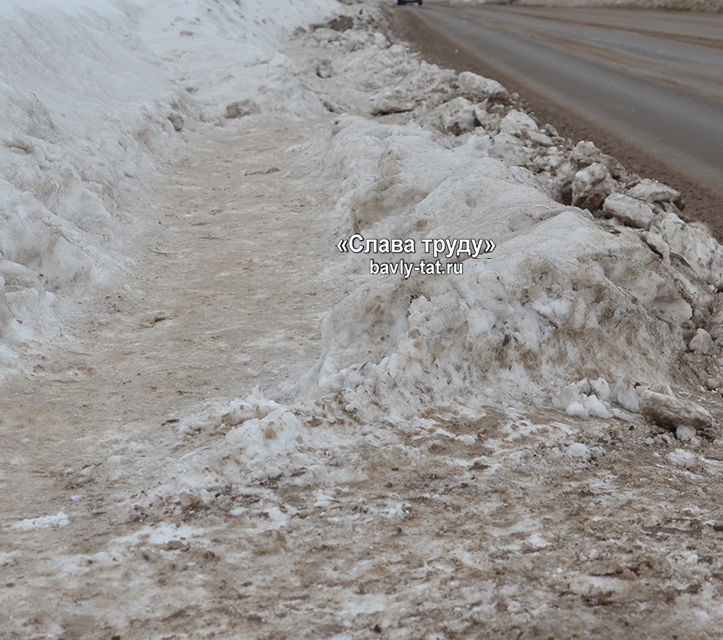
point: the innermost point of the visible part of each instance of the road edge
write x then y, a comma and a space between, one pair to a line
702, 203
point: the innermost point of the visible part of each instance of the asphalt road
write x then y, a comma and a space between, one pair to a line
651, 79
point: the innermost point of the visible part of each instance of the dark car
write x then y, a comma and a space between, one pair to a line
401, 2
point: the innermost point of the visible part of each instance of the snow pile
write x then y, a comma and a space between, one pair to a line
572, 310
232, 447
227, 53
93, 96
583, 312
80, 108
559, 301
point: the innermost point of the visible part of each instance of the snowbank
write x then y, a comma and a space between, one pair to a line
598, 299
94, 95
226, 52
581, 311
81, 109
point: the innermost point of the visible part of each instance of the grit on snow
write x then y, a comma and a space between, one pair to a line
218, 425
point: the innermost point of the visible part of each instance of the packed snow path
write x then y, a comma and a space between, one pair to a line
221, 301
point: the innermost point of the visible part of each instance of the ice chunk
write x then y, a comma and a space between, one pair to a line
653, 191
630, 211
392, 100
670, 412
701, 342
626, 396
576, 409
682, 458
458, 116
481, 88
578, 451
685, 433
693, 243
518, 124
585, 153
590, 186
596, 408
601, 389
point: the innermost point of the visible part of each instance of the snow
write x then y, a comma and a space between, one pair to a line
159, 534
598, 586
562, 313
420, 382
481, 88
578, 451
41, 522
80, 106
87, 89
631, 211
537, 541
682, 458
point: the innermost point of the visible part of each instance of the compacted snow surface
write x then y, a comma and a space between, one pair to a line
529, 447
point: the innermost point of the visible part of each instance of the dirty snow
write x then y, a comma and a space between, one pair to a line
41, 522
530, 445
92, 100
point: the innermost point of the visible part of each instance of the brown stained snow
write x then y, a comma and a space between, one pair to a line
443, 538
222, 300
521, 524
